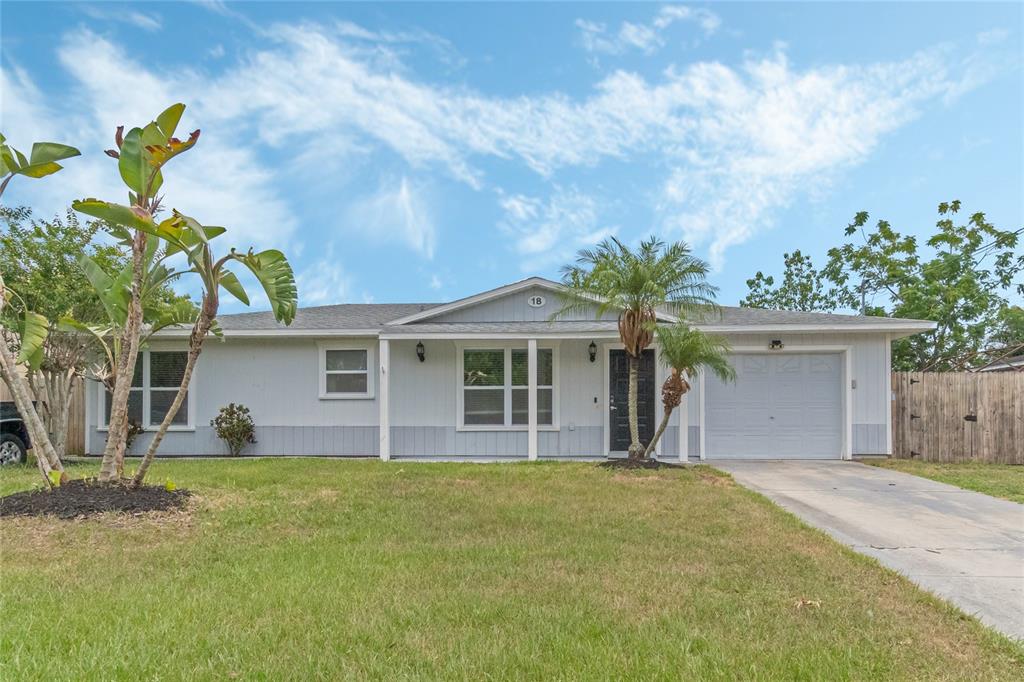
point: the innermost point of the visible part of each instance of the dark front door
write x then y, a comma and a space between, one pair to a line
618, 399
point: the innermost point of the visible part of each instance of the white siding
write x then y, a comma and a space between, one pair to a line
513, 308
278, 380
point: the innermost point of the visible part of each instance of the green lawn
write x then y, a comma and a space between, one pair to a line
300, 569
998, 480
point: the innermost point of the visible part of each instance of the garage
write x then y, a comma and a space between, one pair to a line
781, 406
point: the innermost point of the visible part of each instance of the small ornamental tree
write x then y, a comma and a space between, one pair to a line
235, 427
687, 351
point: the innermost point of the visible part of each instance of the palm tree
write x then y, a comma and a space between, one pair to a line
636, 285
685, 351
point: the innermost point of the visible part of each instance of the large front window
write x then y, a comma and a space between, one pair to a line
495, 387
155, 383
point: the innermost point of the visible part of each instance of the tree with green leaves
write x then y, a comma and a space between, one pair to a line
961, 279
803, 287
142, 154
634, 285
686, 351
39, 260
33, 329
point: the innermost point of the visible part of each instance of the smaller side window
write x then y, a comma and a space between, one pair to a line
345, 373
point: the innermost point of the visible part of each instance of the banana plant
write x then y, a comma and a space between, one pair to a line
270, 268
34, 328
141, 154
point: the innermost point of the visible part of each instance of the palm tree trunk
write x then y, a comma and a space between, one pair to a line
195, 347
635, 449
657, 434
113, 453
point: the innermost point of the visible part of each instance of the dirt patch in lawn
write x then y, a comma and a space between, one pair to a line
638, 464
87, 497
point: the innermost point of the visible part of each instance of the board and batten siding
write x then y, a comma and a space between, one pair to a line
278, 380
515, 307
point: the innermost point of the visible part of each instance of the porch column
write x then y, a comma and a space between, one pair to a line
684, 426
383, 397
531, 401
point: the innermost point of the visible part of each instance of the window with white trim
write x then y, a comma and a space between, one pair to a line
495, 387
345, 372
155, 383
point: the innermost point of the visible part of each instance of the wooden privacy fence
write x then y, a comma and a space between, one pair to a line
76, 417
958, 416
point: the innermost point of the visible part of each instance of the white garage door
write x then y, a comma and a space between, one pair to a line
782, 406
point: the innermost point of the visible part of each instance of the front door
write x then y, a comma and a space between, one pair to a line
618, 399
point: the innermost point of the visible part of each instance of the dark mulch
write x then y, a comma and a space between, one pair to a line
87, 497
624, 463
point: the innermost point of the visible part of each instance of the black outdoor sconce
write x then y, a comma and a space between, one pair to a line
421, 352
775, 344
592, 349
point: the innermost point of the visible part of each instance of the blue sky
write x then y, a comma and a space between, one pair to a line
422, 152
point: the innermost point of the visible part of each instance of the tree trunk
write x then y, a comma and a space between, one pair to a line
636, 450
41, 446
53, 390
113, 453
672, 392
195, 347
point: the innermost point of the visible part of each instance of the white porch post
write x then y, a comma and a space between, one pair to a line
531, 402
684, 426
383, 395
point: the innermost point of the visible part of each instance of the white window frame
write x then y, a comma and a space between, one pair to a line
506, 347
371, 371
189, 407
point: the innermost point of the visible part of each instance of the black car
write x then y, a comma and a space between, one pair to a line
14, 441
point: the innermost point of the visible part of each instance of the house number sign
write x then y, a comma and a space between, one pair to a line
536, 301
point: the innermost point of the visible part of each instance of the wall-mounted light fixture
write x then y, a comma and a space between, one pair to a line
421, 352
592, 349
775, 344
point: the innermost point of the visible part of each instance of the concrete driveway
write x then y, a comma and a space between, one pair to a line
963, 546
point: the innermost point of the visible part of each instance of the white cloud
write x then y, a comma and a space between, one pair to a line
397, 212
147, 22
734, 143
647, 38
324, 282
548, 232
435, 282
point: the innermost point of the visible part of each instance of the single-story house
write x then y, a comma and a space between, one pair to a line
491, 377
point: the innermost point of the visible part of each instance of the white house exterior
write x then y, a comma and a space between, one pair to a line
499, 380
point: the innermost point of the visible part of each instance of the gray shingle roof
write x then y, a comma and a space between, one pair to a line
375, 316
345, 316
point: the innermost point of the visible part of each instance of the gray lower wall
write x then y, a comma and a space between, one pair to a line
350, 441
870, 439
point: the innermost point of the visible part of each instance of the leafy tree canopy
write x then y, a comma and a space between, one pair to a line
41, 261
960, 280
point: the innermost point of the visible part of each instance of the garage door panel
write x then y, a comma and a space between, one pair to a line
780, 406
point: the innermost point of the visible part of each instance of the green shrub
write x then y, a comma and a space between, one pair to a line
235, 427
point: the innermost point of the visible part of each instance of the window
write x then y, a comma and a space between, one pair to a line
155, 383
345, 372
495, 388
521, 382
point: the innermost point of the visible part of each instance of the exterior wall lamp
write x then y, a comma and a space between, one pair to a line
592, 349
421, 352
775, 344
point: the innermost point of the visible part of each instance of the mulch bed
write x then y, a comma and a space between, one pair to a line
624, 463
86, 497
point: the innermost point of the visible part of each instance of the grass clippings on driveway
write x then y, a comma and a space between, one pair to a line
299, 569
998, 480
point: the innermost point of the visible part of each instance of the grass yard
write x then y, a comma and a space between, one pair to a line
299, 569
998, 480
